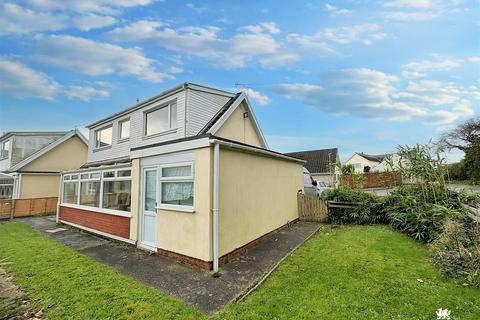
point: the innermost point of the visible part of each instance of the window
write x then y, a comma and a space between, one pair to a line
160, 120
4, 149
6, 188
87, 191
124, 129
117, 190
70, 193
116, 195
358, 166
103, 137
177, 185
90, 193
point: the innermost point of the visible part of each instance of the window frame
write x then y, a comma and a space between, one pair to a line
171, 127
120, 122
2, 149
189, 178
70, 178
95, 140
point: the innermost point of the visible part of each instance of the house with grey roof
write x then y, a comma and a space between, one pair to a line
322, 164
366, 162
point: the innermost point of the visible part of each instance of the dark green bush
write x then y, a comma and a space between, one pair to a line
369, 211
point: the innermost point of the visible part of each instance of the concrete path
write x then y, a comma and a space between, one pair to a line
195, 287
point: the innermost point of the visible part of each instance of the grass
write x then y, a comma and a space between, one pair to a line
358, 272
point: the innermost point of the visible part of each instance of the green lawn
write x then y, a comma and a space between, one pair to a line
346, 273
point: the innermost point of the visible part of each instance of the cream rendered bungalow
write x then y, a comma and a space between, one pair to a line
187, 174
31, 162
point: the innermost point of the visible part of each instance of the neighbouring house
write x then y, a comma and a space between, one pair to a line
365, 162
187, 174
323, 164
389, 163
31, 162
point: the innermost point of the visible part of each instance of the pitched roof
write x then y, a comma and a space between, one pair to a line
159, 96
317, 160
47, 148
374, 157
219, 114
31, 133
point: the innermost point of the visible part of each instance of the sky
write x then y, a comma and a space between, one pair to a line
363, 76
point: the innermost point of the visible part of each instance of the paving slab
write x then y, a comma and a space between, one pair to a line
198, 288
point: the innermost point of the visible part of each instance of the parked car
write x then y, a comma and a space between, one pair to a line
309, 185
321, 188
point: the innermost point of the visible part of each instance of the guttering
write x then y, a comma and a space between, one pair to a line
252, 149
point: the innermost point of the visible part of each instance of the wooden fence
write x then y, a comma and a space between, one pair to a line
373, 180
311, 209
27, 207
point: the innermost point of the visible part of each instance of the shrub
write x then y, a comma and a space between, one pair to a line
369, 211
456, 251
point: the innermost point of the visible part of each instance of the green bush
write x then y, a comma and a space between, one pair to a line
369, 211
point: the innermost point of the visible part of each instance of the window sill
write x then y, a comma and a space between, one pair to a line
123, 140
160, 134
125, 214
176, 208
102, 148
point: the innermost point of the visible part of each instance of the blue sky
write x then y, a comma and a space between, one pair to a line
357, 75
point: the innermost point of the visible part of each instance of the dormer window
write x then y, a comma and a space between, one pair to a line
124, 129
4, 149
161, 120
103, 137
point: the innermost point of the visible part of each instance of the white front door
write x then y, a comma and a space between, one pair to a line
148, 231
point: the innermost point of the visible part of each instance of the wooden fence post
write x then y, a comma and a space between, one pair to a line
12, 209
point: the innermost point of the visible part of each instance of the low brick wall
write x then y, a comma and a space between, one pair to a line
111, 224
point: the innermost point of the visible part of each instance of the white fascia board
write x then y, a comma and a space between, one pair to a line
44, 150
170, 148
229, 112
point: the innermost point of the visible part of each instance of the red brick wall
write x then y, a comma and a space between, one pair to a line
114, 225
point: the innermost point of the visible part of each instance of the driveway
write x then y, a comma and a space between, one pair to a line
197, 288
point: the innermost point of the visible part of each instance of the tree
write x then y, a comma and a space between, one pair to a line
465, 137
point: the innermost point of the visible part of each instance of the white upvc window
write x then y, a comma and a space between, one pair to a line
177, 186
124, 129
4, 149
159, 120
103, 137
108, 190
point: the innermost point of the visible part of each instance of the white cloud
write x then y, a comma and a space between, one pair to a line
85, 93
256, 96
474, 59
21, 81
372, 94
324, 39
411, 16
88, 6
419, 69
254, 43
195, 8
412, 3
95, 58
333, 10
269, 27
420, 10
93, 21
18, 20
